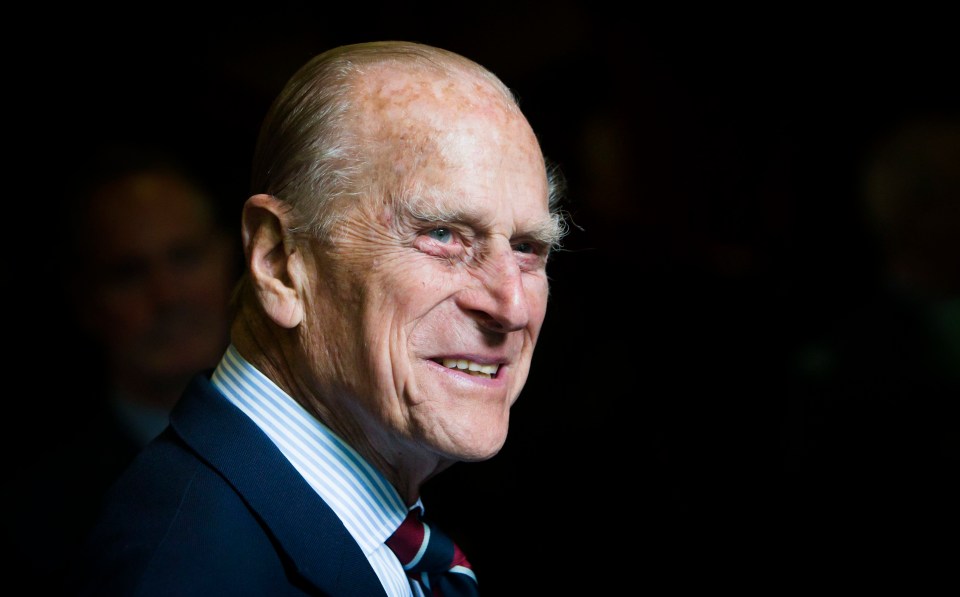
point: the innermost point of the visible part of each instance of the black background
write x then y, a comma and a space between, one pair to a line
713, 160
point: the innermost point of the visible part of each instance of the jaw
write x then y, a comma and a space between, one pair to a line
460, 415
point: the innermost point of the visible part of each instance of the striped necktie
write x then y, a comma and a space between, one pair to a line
431, 559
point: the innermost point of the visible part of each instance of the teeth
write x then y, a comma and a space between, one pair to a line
470, 366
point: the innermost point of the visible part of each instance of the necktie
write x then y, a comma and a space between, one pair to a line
431, 559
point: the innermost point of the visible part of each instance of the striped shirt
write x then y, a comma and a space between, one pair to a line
370, 508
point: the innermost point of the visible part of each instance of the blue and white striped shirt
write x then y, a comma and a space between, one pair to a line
370, 508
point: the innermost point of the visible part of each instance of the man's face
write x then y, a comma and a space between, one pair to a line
158, 280
436, 289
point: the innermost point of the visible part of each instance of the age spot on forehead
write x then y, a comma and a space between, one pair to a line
409, 114
421, 97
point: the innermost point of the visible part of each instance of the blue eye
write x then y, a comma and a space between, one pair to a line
443, 235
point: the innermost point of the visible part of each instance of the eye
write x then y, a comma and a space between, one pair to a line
440, 241
530, 254
442, 235
525, 248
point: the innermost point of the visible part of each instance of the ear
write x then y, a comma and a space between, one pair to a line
274, 264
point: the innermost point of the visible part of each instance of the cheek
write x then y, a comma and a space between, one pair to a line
403, 311
416, 287
414, 310
537, 291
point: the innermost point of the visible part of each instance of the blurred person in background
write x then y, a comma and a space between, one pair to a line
154, 271
147, 267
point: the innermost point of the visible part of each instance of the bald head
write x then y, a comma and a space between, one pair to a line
391, 105
416, 124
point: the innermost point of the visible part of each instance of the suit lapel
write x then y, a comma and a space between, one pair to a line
305, 527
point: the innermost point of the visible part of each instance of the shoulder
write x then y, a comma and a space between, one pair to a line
172, 525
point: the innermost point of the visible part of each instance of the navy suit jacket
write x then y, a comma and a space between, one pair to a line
212, 507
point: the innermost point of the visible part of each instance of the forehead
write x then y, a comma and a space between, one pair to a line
449, 131
394, 89
401, 103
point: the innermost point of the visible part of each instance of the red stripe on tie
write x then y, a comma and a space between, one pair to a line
408, 539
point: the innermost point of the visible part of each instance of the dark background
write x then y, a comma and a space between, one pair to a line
713, 161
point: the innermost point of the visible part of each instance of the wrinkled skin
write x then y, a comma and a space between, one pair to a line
441, 255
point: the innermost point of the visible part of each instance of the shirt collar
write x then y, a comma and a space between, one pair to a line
369, 506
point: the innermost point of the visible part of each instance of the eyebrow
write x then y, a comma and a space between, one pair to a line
547, 230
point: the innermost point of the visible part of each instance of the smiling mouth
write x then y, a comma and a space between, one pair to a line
486, 371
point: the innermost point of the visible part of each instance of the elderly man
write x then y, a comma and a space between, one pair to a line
396, 247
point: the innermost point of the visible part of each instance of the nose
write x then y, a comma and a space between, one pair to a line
498, 301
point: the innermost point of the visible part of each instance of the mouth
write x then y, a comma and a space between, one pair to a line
471, 367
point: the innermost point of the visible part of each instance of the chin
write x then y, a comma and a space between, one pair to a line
477, 449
